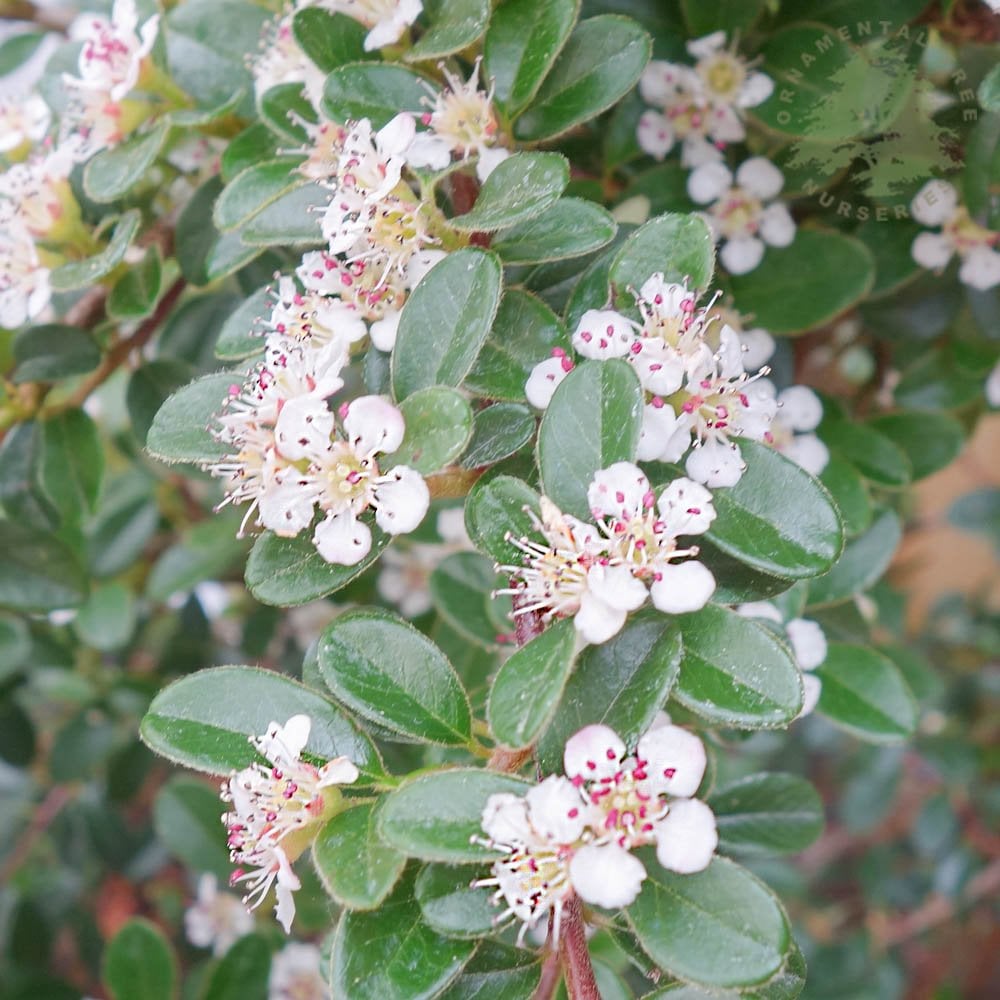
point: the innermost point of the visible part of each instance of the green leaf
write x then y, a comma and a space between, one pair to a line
445, 321
569, 228
717, 927
187, 818
71, 464
181, 429
864, 693
727, 15
785, 984
292, 219
242, 973
777, 518
17, 49
392, 954
450, 906
599, 64
978, 512
204, 720
126, 520
242, 335
522, 42
386, 671
524, 333
84, 273
438, 427
874, 454
15, 644
497, 971
890, 245
735, 672
989, 90
377, 91
283, 108
22, 497
461, 587
112, 173
929, 440
865, 559
254, 144
205, 552
107, 619
521, 187
592, 422
149, 387
38, 572
622, 683
849, 494
356, 868
496, 507
806, 284
678, 246
767, 814
935, 381
45, 353
284, 572
432, 816
253, 190
135, 293
454, 25
528, 687
329, 40
498, 431
139, 963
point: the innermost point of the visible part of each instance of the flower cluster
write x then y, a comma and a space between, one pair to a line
702, 107
276, 811
977, 248
697, 390
599, 573
575, 833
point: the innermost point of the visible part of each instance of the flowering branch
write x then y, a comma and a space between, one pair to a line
574, 954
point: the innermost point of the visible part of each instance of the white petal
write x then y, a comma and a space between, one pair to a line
686, 837
707, 45
742, 255
616, 587
544, 378
594, 752
759, 609
285, 506
621, 490
489, 160
303, 428
801, 408
992, 388
808, 452
659, 367
556, 810
730, 353
596, 621
675, 760
756, 89
428, 150
342, 539
808, 642
760, 177
339, 771
697, 150
678, 443
602, 334
505, 819
402, 501
715, 465
686, 508
679, 588
286, 742
725, 125
776, 225
708, 182
759, 346
284, 909
374, 424
667, 297
812, 688
758, 411
655, 134
659, 80
606, 875
935, 203
395, 137
420, 264
383, 331
932, 250
980, 269
659, 423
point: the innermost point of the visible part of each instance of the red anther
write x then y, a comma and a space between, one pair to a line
657, 403
669, 772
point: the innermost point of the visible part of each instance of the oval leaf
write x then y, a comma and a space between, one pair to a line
181, 428
454, 25
252, 190
139, 963
569, 228
498, 431
38, 572
376, 91
330, 40
112, 173
84, 273
450, 905
493, 509
438, 424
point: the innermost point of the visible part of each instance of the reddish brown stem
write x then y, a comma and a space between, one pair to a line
551, 974
574, 954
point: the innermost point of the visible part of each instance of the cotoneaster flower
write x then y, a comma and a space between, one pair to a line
216, 920
387, 20
799, 414
276, 811
23, 122
281, 60
114, 49
25, 291
37, 193
978, 248
297, 974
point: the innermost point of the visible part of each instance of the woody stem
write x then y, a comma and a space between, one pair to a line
574, 954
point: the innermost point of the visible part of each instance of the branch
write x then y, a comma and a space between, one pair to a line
48, 809
551, 974
575, 956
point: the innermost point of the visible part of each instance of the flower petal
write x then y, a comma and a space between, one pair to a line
980, 269
808, 452
935, 203
758, 346
760, 177
715, 464
402, 499
616, 587
932, 250
682, 587
808, 642
686, 508
675, 760
606, 875
686, 837
621, 490
776, 225
756, 89
374, 424
655, 134
742, 255
544, 379
342, 539
505, 819
593, 752
708, 182
303, 428
801, 408
556, 810
603, 334
596, 621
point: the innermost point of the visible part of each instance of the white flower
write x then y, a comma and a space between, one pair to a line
216, 920
37, 195
738, 213
276, 810
387, 20
937, 204
22, 121
281, 60
992, 387
25, 291
602, 334
727, 80
113, 51
312, 319
799, 413
296, 974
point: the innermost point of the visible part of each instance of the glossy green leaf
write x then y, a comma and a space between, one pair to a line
929, 440
432, 816
283, 108
806, 284
18, 48
728, 15
112, 173
207, 551
450, 906
52, 351
393, 954
445, 321
453, 26
38, 572
242, 335
356, 868
107, 619
139, 963
735, 672
525, 332
890, 245
242, 973
874, 454
865, 559
284, 572
569, 228
600, 63
678, 246
84, 273
376, 91
498, 431
785, 984
330, 40
181, 429
519, 189
622, 683
989, 90
253, 190
461, 587
135, 293
528, 687
386, 671
71, 463
496, 972
496, 507
292, 219
717, 927
592, 422
203, 721
187, 818
149, 387
864, 693
935, 381
849, 494
767, 814
522, 42
438, 427
777, 518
